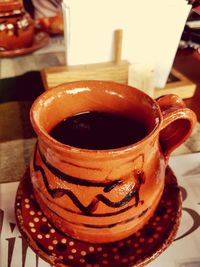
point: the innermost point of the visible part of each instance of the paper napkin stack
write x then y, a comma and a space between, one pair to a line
151, 32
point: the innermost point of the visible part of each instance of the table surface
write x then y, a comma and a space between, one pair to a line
17, 137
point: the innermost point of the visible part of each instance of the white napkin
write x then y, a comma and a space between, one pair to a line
151, 31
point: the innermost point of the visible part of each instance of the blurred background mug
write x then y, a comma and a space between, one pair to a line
16, 26
98, 169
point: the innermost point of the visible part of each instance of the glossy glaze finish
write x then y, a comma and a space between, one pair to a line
104, 195
16, 26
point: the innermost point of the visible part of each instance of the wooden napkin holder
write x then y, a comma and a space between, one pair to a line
107, 71
116, 71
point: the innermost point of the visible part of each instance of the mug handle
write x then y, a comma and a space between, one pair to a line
178, 123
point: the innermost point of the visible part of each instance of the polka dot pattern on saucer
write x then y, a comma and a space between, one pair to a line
61, 250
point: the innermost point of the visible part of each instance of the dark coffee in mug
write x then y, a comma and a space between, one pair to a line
99, 130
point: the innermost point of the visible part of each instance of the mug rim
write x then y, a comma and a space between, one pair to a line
61, 146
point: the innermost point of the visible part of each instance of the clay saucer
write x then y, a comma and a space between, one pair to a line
59, 249
40, 40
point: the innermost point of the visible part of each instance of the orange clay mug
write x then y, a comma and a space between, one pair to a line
104, 195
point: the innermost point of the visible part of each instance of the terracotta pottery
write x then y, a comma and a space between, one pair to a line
16, 26
104, 195
40, 40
